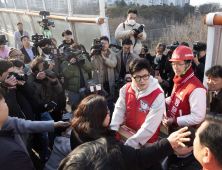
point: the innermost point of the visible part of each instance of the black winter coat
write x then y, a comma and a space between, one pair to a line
199, 70
162, 70
132, 159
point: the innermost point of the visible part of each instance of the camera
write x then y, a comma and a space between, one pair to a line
196, 47
115, 48
36, 38
59, 52
121, 82
49, 73
3, 39
20, 77
51, 105
72, 53
172, 47
97, 45
139, 30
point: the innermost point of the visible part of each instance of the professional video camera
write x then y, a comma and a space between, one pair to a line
115, 48
97, 45
139, 30
2, 38
72, 53
196, 47
20, 77
121, 82
172, 47
48, 72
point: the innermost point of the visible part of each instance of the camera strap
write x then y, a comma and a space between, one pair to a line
8, 87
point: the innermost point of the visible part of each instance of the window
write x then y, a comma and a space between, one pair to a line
35, 5
14, 20
36, 25
57, 6
10, 4
20, 4
26, 23
1, 23
7, 21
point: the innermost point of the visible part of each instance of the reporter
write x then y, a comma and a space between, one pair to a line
91, 122
125, 30
144, 53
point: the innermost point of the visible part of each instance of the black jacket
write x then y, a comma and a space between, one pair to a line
26, 56
13, 155
132, 159
199, 70
170, 77
65, 44
216, 102
189, 163
148, 57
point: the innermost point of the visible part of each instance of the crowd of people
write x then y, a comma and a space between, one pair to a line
107, 90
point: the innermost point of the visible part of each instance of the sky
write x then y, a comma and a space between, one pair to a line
200, 2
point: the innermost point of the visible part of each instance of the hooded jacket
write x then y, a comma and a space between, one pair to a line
122, 34
156, 112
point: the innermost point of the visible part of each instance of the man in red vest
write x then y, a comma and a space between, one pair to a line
143, 104
187, 103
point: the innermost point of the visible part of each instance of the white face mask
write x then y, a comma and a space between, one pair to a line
132, 22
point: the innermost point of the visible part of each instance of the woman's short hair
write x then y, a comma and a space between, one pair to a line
35, 63
89, 117
161, 44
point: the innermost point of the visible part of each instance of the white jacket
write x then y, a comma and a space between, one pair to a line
152, 120
121, 34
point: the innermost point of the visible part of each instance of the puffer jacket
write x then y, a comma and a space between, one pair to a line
121, 34
72, 73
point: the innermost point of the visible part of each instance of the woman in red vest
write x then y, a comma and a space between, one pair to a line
187, 103
143, 103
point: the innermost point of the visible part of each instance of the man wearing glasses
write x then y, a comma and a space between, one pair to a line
15, 53
187, 103
143, 104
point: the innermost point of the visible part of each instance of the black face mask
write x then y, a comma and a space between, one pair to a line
46, 50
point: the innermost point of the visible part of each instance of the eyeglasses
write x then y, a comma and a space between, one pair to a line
178, 65
145, 77
18, 55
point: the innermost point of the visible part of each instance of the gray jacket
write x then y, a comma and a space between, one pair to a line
17, 36
61, 149
22, 126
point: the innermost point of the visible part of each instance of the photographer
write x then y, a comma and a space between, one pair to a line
44, 83
28, 51
104, 67
67, 36
76, 70
160, 60
199, 60
126, 30
124, 58
144, 53
3, 50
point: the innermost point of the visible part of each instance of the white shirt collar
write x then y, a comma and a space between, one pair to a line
47, 56
217, 92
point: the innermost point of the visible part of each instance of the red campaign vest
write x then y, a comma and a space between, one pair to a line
180, 105
137, 110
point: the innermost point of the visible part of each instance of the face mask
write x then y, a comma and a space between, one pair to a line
46, 50
69, 132
132, 22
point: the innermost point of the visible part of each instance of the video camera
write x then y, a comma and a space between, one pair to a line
97, 45
45, 23
20, 77
49, 73
3, 39
145, 49
121, 82
172, 47
59, 52
72, 53
139, 30
115, 48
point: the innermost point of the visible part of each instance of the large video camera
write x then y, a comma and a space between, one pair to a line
115, 48
45, 23
139, 30
97, 45
3, 39
172, 47
49, 73
20, 77
72, 53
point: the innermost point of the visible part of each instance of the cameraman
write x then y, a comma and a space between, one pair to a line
160, 60
76, 73
125, 30
199, 61
67, 36
104, 67
43, 92
144, 53
124, 58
